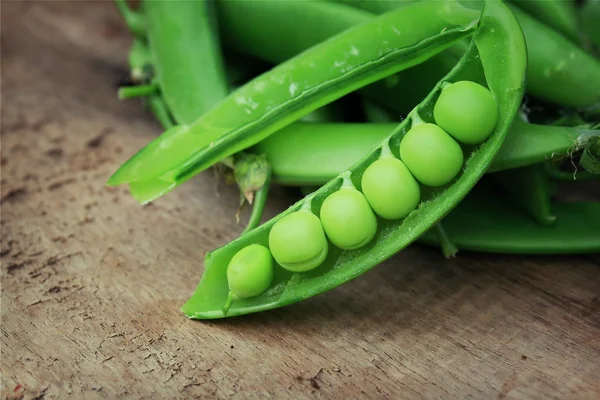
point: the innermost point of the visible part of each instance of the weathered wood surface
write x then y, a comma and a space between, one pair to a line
91, 282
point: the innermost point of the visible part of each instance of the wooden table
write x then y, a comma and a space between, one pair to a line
92, 282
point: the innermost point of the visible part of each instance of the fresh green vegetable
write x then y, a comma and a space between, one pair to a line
347, 218
390, 188
249, 273
488, 220
589, 15
467, 111
558, 71
185, 54
294, 88
497, 37
313, 154
298, 241
431, 155
530, 187
558, 14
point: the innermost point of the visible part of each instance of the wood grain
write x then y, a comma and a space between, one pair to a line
92, 282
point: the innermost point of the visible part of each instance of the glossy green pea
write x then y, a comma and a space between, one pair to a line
390, 188
298, 242
467, 111
250, 271
431, 155
348, 219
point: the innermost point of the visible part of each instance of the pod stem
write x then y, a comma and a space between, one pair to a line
346, 181
449, 250
231, 297
307, 205
386, 151
160, 110
130, 92
415, 118
133, 19
259, 204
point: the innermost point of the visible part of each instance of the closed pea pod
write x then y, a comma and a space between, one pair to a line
558, 70
294, 88
313, 154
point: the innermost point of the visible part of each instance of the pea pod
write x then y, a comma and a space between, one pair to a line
589, 14
530, 186
293, 89
191, 82
497, 38
487, 220
558, 70
556, 67
312, 154
558, 14
187, 83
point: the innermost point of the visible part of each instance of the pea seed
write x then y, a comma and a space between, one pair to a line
467, 111
431, 155
298, 242
390, 188
348, 219
250, 271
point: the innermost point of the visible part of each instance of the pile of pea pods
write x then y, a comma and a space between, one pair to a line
449, 123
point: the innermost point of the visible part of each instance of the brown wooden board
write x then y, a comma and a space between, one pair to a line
92, 282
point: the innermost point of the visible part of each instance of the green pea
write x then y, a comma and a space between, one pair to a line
390, 188
467, 111
298, 242
348, 219
250, 271
431, 155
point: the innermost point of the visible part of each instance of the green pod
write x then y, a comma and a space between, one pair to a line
313, 154
186, 56
488, 220
530, 186
558, 14
293, 89
496, 39
589, 15
558, 71
269, 30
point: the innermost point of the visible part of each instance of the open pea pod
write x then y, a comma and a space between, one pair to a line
293, 89
498, 44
